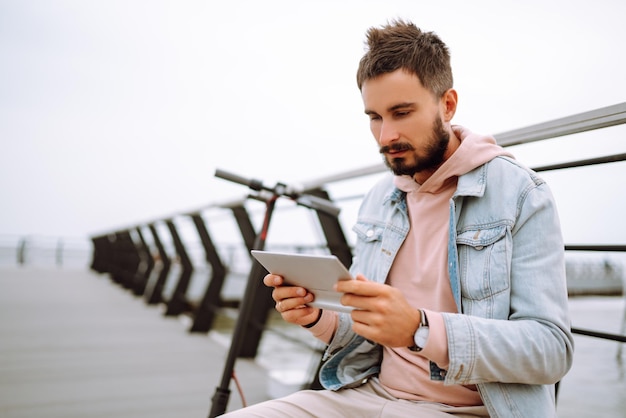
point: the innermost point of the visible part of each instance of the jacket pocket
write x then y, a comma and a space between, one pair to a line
484, 260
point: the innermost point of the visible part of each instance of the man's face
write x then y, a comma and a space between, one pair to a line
406, 121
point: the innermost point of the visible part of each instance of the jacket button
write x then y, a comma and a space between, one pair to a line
370, 233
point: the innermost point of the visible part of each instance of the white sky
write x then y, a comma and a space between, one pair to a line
118, 112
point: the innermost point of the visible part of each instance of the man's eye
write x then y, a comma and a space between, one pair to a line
402, 114
374, 117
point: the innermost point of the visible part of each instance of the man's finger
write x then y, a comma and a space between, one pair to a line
358, 287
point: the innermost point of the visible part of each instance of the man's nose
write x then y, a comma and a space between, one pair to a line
388, 133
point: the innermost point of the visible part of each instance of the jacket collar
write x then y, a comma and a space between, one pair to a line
470, 184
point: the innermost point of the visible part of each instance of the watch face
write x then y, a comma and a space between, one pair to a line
421, 336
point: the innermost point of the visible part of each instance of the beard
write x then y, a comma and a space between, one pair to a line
433, 158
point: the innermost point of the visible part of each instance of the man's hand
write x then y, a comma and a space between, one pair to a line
291, 301
382, 313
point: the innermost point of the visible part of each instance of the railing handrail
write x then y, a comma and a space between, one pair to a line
581, 122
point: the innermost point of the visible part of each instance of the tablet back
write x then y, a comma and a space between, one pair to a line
317, 273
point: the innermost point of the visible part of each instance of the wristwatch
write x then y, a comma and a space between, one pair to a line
421, 334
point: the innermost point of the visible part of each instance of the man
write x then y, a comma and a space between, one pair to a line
460, 295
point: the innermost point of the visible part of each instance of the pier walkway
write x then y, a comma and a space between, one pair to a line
73, 344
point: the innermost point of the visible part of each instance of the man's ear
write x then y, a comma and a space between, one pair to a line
448, 104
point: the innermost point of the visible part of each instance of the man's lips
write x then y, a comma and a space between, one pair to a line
396, 153
396, 150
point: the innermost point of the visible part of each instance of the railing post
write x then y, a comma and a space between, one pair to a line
21, 252
178, 303
333, 232
101, 257
205, 314
115, 260
245, 225
146, 265
126, 259
154, 293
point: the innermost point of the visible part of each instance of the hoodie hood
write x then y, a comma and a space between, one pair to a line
474, 151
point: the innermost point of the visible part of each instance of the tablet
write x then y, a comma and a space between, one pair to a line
316, 273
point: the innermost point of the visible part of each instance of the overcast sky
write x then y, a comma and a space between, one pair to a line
118, 112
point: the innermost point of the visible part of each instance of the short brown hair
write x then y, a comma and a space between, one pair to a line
402, 45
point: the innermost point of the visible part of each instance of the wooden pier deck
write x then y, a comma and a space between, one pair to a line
73, 344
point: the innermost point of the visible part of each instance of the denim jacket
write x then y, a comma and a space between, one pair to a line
511, 335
